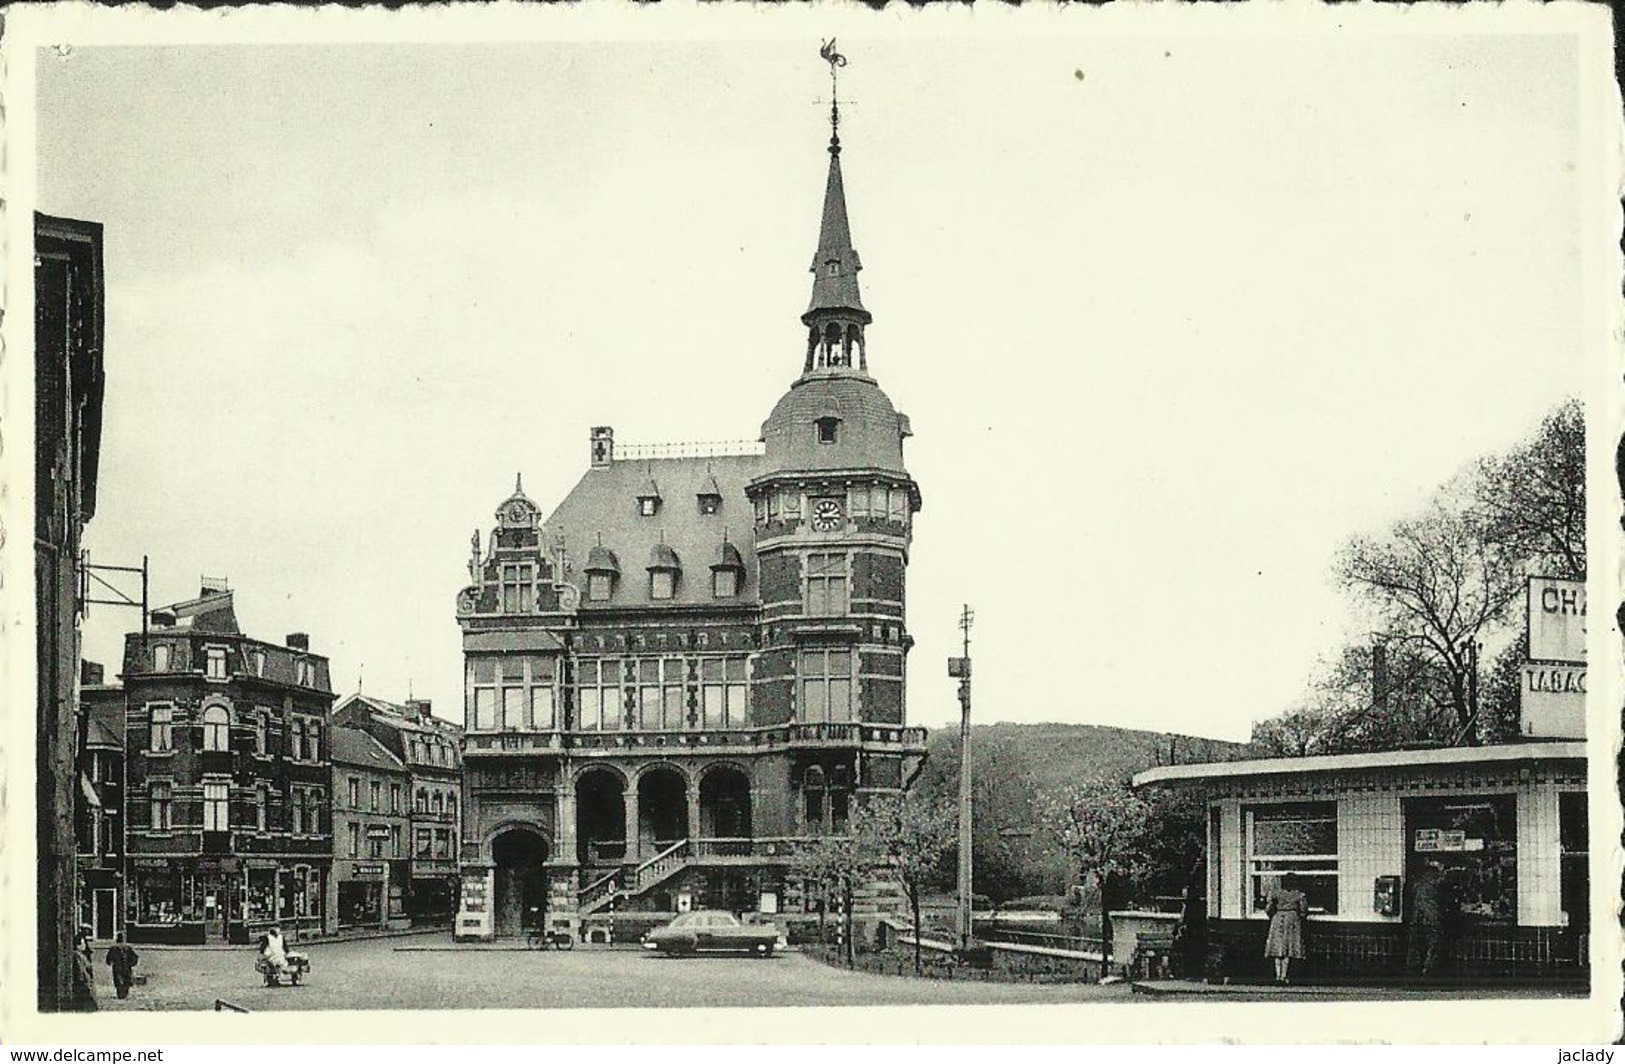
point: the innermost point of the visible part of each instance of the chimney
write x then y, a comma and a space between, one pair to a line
163, 618
90, 674
299, 641
603, 446
212, 585
418, 708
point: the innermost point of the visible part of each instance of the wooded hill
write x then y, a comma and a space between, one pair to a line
1014, 767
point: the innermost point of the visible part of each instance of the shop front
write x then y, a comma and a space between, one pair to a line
1502, 828
362, 894
200, 901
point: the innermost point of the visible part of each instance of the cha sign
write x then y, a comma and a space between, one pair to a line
1557, 620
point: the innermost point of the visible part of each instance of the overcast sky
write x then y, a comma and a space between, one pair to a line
1172, 315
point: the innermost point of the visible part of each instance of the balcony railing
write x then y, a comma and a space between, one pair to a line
844, 733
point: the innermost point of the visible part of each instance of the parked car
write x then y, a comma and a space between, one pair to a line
713, 932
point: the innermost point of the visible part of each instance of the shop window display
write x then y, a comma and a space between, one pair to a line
1475, 839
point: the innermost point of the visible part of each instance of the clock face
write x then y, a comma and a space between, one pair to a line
828, 515
516, 512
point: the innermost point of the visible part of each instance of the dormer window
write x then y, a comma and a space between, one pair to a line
709, 496
727, 572
215, 662
828, 428
601, 570
160, 657
663, 569
649, 499
834, 267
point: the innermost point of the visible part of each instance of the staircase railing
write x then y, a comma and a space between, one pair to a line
594, 894
659, 866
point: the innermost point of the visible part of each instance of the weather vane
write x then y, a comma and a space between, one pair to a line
835, 60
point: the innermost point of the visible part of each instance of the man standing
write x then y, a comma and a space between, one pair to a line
122, 958
1427, 918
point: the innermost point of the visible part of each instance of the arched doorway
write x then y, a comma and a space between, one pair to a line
662, 809
520, 855
600, 818
725, 804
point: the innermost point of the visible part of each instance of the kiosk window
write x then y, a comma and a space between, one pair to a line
1298, 839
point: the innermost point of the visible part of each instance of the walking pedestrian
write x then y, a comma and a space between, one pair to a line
1287, 908
1427, 918
122, 958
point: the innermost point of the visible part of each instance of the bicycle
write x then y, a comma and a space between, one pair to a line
541, 938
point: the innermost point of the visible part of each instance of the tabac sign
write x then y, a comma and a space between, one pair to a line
1553, 696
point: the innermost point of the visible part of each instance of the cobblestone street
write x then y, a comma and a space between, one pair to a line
403, 973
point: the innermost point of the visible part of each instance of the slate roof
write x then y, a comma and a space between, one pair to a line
604, 503
352, 746
398, 716
837, 291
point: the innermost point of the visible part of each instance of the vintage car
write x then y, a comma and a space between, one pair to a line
713, 932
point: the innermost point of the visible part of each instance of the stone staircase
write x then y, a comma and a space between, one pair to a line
613, 886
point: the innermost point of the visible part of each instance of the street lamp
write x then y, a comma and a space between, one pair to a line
959, 669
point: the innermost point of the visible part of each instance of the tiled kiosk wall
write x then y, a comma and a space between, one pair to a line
1357, 942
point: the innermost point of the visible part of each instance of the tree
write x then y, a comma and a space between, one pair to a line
831, 866
904, 837
1099, 826
1438, 583
1531, 499
1172, 842
1003, 798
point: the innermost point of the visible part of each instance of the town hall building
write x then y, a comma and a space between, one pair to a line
697, 658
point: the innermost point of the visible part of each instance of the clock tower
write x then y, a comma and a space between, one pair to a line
834, 510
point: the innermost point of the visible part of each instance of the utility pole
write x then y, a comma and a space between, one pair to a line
959, 668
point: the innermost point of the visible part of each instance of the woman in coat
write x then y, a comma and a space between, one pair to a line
1287, 909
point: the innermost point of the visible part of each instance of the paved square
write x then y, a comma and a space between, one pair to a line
403, 974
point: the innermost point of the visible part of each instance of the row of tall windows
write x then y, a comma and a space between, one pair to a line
375, 793
304, 736
512, 692
305, 807
375, 840
661, 701
519, 692
164, 658
878, 501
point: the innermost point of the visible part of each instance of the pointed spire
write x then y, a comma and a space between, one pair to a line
519, 483
835, 316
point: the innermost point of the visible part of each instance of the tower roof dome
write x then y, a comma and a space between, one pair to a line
838, 421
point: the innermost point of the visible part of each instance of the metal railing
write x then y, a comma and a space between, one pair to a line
636, 452
1015, 937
